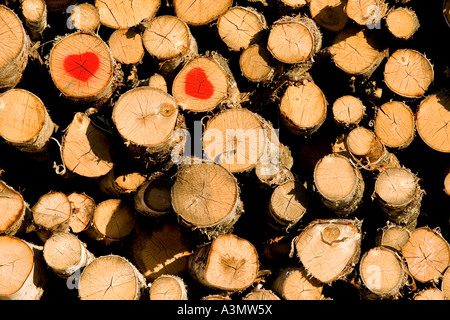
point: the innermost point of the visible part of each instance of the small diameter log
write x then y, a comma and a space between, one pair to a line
227, 263
294, 3
430, 294
113, 221
14, 45
200, 13
339, 184
86, 149
261, 294
15, 216
22, 273
366, 12
83, 208
294, 40
65, 254
294, 283
236, 139
395, 125
427, 254
399, 195
170, 42
408, 73
348, 111
126, 46
111, 277
445, 283
383, 272
330, 248
24, 121
258, 65
241, 27
164, 250
356, 52
168, 287
85, 17
402, 22
329, 14
118, 182
118, 14
35, 14
153, 198
368, 150
205, 196
204, 83
157, 81
432, 121
146, 119
287, 205
393, 237
303, 108
82, 68
51, 213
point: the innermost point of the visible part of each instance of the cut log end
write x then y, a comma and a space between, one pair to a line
393, 237
126, 46
154, 197
430, 294
83, 208
35, 14
296, 284
85, 17
52, 212
13, 208
257, 64
348, 111
199, 13
366, 12
402, 22
329, 14
168, 287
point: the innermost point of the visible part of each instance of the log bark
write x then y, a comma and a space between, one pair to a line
16, 215
83, 208
82, 68
153, 198
348, 111
14, 60
294, 283
383, 272
432, 121
399, 195
395, 125
113, 221
85, 17
228, 263
241, 27
427, 254
168, 287
402, 22
205, 198
25, 122
35, 14
339, 184
445, 283
126, 46
430, 294
408, 73
261, 294
329, 248
22, 275
200, 13
170, 42
65, 254
111, 277
117, 14
162, 250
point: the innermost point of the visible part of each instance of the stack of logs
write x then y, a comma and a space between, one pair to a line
216, 150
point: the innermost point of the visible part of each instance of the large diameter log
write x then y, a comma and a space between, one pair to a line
329, 14
408, 73
427, 254
65, 254
383, 272
399, 195
329, 249
206, 197
24, 120
228, 263
14, 44
163, 250
22, 274
82, 68
118, 14
294, 283
294, 40
433, 118
15, 214
168, 287
200, 13
170, 42
339, 184
111, 277
86, 149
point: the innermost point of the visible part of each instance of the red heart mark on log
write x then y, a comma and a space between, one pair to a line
82, 66
197, 84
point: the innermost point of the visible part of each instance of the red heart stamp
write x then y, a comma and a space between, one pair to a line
82, 66
197, 84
